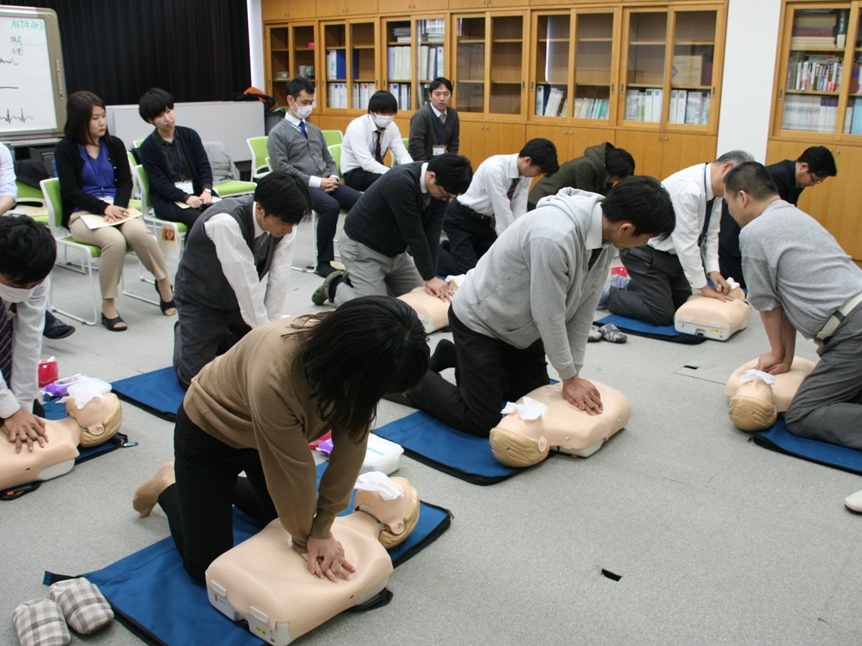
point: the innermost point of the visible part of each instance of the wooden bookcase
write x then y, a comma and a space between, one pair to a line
817, 101
567, 70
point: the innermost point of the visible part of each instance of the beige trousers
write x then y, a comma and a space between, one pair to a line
112, 241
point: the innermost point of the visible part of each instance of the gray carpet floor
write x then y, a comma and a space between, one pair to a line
714, 540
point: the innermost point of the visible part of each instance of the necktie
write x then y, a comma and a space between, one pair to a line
5, 344
378, 149
512, 187
303, 129
443, 118
261, 253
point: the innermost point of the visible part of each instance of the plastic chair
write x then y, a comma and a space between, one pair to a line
222, 166
257, 146
30, 202
142, 181
332, 137
89, 254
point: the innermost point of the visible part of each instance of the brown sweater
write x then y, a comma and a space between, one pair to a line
257, 397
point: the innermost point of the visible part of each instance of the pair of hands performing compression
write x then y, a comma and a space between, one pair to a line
25, 429
325, 558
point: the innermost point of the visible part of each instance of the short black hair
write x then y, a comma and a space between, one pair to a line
27, 250
383, 102
820, 161
542, 153
153, 103
452, 172
440, 80
643, 201
619, 162
282, 195
368, 347
297, 85
751, 177
79, 109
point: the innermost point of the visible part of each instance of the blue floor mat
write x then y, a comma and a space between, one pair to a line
157, 392
431, 442
641, 328
778, 438
154, 597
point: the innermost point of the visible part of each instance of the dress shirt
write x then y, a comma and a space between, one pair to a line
357, 149
690, 189
488, 189
26, 348
261, 300
7, 174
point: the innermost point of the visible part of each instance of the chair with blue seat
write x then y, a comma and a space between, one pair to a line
257, 146
88, 254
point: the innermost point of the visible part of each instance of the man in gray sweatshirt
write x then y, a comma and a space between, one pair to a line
534, 293
800, 279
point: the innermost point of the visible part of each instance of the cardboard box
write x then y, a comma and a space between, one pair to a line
687, 70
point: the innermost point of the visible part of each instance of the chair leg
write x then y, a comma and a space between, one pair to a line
96, 299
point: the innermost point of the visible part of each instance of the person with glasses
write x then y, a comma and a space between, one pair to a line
435, 129
813, 167
391, 237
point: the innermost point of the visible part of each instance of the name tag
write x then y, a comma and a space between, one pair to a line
438, 150
185, 187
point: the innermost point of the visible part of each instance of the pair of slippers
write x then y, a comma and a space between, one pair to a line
43, 622
609, 332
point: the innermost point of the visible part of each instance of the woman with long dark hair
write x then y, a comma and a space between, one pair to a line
95, 178
256, 408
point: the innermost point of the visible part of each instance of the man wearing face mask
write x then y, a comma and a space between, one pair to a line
27, 255
368, 138
298, 147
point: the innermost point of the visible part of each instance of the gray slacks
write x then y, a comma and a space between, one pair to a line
373, 274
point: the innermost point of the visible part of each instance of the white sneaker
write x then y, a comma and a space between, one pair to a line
853, 502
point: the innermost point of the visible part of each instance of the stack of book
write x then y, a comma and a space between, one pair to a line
813, 28
399, 62
336, 95
361, 93
591, 109
644, 104
401, 34
814, 72
810, 113
690, 107
853, 117
430, 64
401, 92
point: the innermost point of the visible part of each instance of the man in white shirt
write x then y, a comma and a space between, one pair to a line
496, 197
27, 255
663, 273
235, 269
367, 140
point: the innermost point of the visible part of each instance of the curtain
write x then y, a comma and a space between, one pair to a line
197, 50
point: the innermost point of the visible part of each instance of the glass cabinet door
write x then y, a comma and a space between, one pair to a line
364, 69
335, 46
302, 52
470, 64
593, 66
853, 116
646, 38
279, 61
399, 54
552, 65
692, 89
430, 35
506, 65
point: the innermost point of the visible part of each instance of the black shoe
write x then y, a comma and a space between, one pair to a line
444, 356
55, 328
324, 270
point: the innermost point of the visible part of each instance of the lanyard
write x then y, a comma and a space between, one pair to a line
708, 207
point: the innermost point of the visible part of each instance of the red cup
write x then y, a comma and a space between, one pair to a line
49, 372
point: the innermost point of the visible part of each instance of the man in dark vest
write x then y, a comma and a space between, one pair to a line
234, 271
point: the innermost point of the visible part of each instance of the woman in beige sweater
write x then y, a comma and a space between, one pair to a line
256, 408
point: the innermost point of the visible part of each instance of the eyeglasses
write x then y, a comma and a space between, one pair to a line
815, 179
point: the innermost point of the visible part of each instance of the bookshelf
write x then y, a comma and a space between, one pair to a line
817, 101
470, 63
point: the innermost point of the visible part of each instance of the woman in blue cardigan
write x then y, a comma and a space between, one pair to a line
95, 178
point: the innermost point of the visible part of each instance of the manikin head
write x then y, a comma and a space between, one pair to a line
752, 407
100, 419
397, 518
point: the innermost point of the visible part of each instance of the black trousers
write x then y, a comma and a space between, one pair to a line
199, 505
328, 206
658, 286
186, 216
489, 372
360, 179
470, 237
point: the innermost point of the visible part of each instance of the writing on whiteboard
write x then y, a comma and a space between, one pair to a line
26, 93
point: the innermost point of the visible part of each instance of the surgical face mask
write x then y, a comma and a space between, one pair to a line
14, 294
383, 120
303, 111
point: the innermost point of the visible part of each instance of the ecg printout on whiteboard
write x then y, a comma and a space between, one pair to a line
26, 87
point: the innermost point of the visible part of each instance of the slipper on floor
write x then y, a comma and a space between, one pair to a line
612, 333
112, 324
84, 606
595, 334
40, 623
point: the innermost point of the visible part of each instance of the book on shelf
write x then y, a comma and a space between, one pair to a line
810, 113
336, 64
687, 70
841, 28
555, 100
401, 92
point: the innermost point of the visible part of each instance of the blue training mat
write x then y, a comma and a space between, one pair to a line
778, 438
642, 328
157, 392
154, 597
431, 442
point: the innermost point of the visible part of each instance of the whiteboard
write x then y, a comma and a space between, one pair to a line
32, 83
